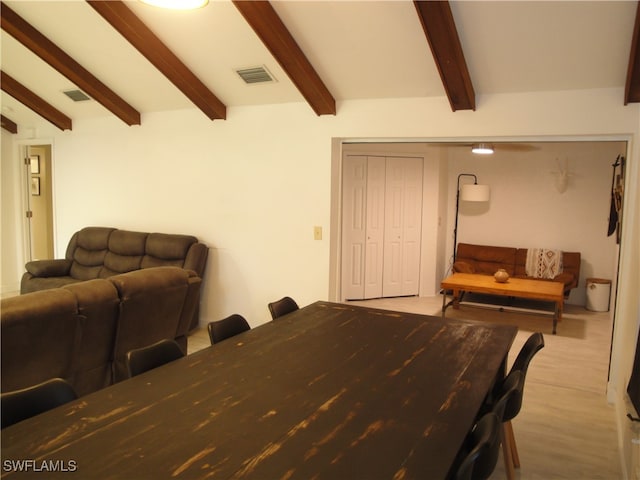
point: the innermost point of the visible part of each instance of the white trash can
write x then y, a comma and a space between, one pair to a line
598, 294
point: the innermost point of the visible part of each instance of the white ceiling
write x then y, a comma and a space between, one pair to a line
360, 49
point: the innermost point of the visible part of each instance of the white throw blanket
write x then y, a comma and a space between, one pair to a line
543, 263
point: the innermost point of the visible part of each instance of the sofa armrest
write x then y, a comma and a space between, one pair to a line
463, 267
49, 268
196, 258
567, 278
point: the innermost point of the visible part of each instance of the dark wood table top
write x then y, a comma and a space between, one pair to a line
331, 391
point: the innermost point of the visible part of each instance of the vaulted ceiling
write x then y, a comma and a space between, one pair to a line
132, 59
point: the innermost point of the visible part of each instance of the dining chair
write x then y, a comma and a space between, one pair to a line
281, 307
142, 359
220, 330
28, 402
512, 394
508, 398
482, 448
533, 345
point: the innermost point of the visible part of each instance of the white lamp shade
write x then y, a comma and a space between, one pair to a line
475, 193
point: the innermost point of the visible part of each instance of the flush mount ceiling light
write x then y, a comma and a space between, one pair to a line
482, 148
177, 4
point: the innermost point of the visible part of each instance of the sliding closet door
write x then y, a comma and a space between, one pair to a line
362, 226
403, 225
381, 226
375, 227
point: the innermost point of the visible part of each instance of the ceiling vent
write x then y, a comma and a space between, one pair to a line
77, 95
255, 75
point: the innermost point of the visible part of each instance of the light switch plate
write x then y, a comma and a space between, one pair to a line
317, 233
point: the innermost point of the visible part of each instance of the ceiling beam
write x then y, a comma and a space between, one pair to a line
150, 46
8, 125
632, 87
266, 23
440, 29
34, 102
48, 51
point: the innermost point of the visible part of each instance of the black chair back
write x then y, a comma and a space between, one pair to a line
483, 446
146, 358
227, 327
532, 346
508, 405
28, 402
281, 307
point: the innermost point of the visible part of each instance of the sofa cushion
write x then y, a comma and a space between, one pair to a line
87, 250
126, 250
487, 259
98, 303
166, 250
151, 305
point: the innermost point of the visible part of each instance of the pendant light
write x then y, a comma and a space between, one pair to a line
482, 148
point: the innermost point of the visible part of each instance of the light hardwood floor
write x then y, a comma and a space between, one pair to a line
566, 429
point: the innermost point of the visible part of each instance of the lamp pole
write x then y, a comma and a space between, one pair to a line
455, 228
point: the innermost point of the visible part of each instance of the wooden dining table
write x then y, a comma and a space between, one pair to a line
330, 391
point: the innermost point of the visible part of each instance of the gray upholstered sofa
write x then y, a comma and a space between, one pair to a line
82, 331
101, 252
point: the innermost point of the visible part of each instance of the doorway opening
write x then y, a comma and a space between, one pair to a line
38, 231
527, 208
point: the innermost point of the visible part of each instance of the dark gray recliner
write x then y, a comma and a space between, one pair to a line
101, 252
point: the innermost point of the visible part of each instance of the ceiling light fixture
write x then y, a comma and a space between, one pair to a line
482, 148
177, 4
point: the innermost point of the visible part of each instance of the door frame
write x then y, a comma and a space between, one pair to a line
437, 238
24, 147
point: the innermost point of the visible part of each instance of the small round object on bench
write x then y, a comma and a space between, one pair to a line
501, 276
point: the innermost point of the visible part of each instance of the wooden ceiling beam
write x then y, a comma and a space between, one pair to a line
8, 124
266, 23
34, 102
48, 51
150, 46
632, 87
440, 29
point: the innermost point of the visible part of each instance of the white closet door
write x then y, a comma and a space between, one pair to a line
354, 197
375, 226
412, 228
403, 217
381, 226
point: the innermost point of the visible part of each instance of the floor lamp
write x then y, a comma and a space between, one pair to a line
469, 193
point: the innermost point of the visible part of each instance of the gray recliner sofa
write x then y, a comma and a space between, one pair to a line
101, 252
82, 331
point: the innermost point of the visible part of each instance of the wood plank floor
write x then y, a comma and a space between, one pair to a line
566, 429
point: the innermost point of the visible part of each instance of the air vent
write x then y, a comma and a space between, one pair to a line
255, 75
77, 95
